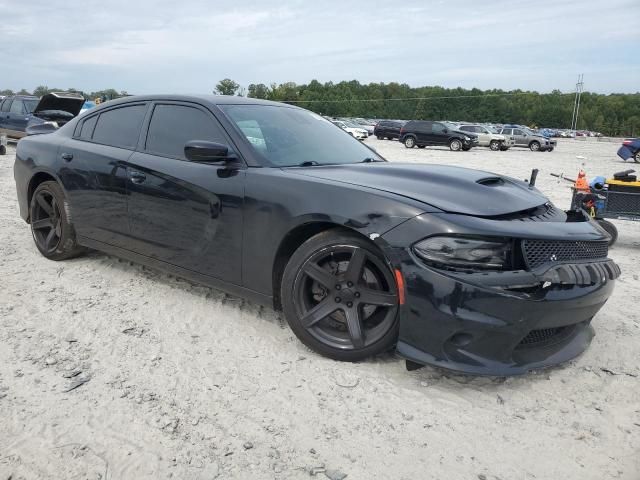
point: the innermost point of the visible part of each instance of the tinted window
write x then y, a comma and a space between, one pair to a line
16, 106
467, 128
172, 126
518, 132
438, 128
120, 127
506, 131
422, 127
87, 127
30, 104
5, 105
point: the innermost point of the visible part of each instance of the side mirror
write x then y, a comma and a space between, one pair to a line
206, 152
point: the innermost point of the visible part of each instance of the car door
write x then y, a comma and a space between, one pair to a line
508, 132
438, 135
423, 132
17, 117
521, 137
181, 212
94, 172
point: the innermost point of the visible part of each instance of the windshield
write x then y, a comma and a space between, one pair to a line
288, 137
30, 104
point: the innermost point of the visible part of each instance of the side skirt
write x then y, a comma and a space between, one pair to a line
195, 277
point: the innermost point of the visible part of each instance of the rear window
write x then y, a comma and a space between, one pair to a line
87, 127
120, 127
6, 104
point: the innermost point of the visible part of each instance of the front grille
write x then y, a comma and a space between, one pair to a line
539, 252
546, 336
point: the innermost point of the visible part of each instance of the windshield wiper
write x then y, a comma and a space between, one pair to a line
370, 160
308, 163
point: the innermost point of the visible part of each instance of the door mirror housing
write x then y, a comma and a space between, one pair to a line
206, 152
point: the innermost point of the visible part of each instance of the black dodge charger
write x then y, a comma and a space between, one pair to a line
452, 267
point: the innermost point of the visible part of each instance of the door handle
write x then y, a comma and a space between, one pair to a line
67, 157
137, 177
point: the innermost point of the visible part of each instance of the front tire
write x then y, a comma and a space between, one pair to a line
494, 145
636, 157
534, 146
409, 142
51, 228
3, 150
339, 296
379, 137
455, 145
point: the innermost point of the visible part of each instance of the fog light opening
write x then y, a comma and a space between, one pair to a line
461, 339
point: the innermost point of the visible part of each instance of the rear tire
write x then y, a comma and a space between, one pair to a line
325, 293
494, 145
3, 150
636, 157
610, 229
421, 146
51, 228
379, 137
409, 142
534, 146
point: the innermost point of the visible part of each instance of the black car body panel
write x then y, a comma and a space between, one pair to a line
388, 129
229, 225
428, 133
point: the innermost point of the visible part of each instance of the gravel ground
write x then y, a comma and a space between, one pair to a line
175, 380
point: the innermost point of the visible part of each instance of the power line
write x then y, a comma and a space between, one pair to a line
487, 95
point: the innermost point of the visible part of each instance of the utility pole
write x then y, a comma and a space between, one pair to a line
576, 102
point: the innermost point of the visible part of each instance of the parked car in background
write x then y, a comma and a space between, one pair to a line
529, 139
357, 132
351, 123
630, 148
422, 133
19, 112
489, 138
388, 129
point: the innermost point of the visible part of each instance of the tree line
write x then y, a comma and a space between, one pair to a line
616, 114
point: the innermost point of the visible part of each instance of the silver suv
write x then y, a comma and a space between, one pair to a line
488, 137
529, 139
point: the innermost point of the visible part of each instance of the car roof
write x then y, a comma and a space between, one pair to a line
214, 99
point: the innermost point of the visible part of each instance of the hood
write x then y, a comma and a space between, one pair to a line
466, 134
60, 101
452, 189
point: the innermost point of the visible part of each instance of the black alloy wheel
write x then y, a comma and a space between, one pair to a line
46, 222
52, 232
340, 297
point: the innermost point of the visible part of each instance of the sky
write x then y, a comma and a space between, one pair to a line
186, 46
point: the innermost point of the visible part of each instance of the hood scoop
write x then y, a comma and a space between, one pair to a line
491, 181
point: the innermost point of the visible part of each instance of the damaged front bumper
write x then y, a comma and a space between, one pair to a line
500, 322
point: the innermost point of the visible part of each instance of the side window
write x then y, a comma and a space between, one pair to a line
120, 127
423, 127
87, 127
438, 128
517, 131
16, 106
506, 131
467, 128
5, 105
172, 126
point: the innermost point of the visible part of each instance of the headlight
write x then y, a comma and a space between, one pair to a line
466, 138
462, 252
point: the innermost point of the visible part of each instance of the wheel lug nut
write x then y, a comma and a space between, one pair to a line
338, 299
349, 304
338, 287
357, 294
349, 284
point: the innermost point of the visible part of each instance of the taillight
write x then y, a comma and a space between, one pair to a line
627, 142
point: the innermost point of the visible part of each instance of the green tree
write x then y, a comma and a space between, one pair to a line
226, 87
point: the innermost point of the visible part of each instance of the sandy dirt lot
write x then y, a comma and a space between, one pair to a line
185, 382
